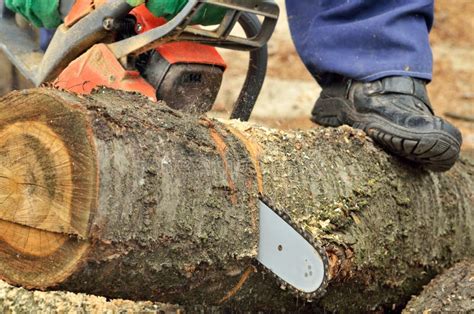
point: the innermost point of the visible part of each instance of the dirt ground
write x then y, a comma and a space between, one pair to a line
289, 92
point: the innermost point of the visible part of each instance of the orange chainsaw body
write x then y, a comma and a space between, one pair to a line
99, 67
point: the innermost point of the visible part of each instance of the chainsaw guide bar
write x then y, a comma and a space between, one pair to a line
317, 263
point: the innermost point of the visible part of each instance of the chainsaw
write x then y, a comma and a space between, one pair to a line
110, 43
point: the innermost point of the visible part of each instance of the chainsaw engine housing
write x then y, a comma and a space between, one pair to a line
186, 75
185, 86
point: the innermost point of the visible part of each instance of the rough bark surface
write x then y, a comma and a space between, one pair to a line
452, 291
175, 217
19, 300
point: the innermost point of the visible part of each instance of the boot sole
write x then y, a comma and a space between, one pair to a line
436, 150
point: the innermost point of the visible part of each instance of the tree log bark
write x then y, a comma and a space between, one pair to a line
452, 291
117, 196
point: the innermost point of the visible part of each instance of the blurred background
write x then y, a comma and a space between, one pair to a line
289, 92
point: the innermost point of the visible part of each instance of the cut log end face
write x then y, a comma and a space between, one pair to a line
45, 202
35, 187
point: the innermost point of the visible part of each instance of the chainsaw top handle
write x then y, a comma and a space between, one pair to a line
180, 28
257, 70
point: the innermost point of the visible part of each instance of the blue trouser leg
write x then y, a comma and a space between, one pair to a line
363, 39
46, 35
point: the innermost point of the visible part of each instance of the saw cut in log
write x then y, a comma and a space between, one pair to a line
113, 195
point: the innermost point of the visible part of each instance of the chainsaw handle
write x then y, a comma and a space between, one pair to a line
70, 42
179, 28
221, 37
159, 35
257, 70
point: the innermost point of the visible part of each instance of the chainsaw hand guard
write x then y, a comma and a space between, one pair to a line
180, 28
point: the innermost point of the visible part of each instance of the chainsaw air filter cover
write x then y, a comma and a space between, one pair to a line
188, 87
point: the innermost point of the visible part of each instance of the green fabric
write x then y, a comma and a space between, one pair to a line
41, 13
208, 15
135, 3
45, 13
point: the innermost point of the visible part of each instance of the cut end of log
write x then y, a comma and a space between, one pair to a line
47, 188
35, 187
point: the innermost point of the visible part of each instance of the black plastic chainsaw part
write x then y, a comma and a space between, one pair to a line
191, 88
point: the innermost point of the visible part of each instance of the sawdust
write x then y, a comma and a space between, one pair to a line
19, 300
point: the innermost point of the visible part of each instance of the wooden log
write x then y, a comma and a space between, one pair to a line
451, 291
117, 196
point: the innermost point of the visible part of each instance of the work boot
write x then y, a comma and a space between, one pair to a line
396, 113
